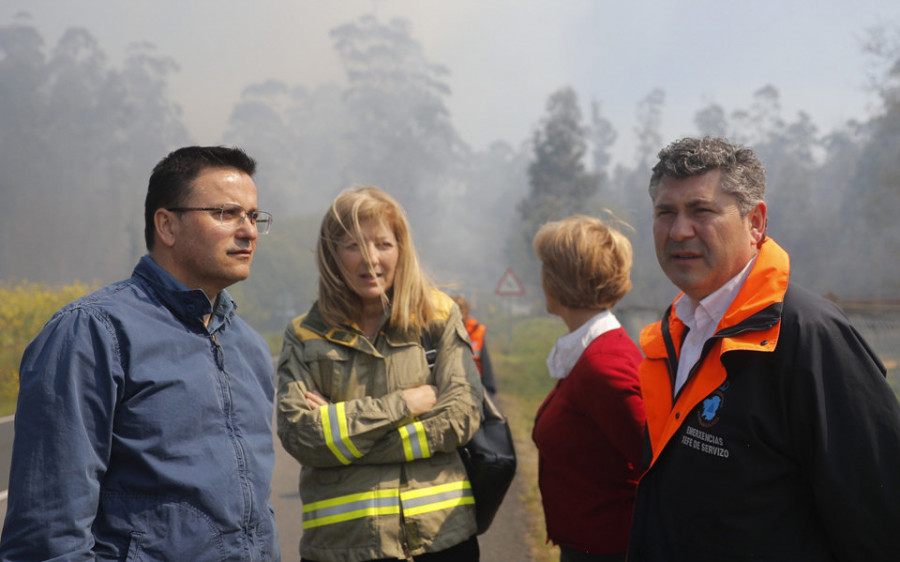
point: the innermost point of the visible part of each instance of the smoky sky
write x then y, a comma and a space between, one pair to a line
795, 68
506, 56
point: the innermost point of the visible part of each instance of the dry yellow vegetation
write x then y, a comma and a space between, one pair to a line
24, 309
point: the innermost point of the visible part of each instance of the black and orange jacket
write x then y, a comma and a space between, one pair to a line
476, 332
784, 442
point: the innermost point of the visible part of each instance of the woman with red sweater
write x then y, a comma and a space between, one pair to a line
589, 430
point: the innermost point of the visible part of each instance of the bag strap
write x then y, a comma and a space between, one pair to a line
430, 350
489, 410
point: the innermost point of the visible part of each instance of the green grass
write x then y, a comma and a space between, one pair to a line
275, 340
7, 407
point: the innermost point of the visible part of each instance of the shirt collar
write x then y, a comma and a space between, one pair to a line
569, 347
188, 304
707, 313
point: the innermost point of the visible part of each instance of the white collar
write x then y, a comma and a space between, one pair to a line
698, 315
702, 318
569, 347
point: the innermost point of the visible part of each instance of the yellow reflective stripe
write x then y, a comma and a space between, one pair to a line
325, 413
436, 498
421, 492
447, 504
404, 440
345, 433
350, 498
349, 507
386, 502
337, 437
415, 442
349, 516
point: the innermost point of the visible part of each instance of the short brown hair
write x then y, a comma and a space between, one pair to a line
743, 174
586, 263
462, 303
172, 179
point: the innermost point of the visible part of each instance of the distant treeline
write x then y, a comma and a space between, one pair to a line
79, 136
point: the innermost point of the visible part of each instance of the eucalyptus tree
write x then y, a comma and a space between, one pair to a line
22, 77
875, 200
649, 141
299, 136
77, 141
711, 121
400, 136
602, 137
560, 183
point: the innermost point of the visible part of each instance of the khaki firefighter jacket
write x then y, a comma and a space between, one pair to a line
376, 482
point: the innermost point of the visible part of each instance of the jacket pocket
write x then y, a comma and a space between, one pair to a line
143, 527
326, 364
134, 547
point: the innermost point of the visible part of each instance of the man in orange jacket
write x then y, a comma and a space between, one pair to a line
772, 432
477, 332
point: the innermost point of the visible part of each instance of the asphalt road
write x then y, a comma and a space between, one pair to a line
503, 542
6, 439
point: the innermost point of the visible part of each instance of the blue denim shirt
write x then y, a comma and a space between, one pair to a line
141, 434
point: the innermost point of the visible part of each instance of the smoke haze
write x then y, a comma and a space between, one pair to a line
506, 56
442, 114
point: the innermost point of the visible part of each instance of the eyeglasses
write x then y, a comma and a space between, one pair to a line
233, 216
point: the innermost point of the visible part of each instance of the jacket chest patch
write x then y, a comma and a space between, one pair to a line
707, 415
710, 408
705, 442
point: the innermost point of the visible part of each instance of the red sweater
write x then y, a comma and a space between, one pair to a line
589, 434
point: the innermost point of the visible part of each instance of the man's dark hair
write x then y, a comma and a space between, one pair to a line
172, 178
742, 173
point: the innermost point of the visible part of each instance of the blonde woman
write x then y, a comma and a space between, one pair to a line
373, 426
589, 430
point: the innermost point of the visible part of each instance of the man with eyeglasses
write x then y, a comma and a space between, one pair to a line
143, 429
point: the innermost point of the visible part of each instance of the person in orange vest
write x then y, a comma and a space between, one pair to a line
479, 348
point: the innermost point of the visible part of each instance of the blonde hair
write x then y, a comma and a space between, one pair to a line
409, 299
586, 263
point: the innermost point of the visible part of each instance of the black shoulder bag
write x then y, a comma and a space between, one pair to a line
489, 457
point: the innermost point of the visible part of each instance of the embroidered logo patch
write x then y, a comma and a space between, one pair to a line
708, 410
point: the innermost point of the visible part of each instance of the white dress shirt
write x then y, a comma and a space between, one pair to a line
702, 318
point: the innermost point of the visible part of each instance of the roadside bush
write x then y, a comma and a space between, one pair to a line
24, 309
